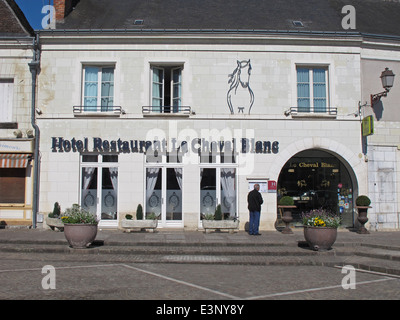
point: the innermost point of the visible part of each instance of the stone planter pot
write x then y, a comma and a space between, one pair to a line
230, 225
362, 219
320, 238
55, 223
80, 236
287, 218
139, 224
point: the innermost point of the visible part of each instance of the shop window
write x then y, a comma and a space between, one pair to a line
6, 99
316, 179
98, 88
12, 185
312, 89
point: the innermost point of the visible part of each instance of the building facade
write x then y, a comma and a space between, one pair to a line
16, 133
139, 109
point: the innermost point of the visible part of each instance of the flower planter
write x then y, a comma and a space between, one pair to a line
320, 238
80, 236
54, 223
287, 217
230, 225
362, 218
146, 224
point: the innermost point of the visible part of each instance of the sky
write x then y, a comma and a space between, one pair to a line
33, 11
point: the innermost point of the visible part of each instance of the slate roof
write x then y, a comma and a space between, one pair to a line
13, 22
372, 16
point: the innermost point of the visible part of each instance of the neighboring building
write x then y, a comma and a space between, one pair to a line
16, 132
183, 105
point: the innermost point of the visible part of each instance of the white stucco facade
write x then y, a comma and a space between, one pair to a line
279, 130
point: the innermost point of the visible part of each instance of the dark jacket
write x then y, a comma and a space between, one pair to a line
254, 200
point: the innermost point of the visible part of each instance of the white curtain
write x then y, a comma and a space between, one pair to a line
114, 178
228, 186
91, 88
178, 173
151, 180
88, 174
107, 89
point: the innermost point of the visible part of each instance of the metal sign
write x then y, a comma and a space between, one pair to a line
368, 126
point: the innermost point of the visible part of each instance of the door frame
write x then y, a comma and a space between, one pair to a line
100, 165
163, 222
218, 168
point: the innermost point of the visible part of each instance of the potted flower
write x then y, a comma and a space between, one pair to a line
80, 227
286, 204
362, 205
53, 220
320, 228
216, 222
151, 221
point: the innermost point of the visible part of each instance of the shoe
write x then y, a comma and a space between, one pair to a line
257, 234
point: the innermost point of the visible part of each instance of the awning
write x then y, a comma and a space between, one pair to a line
14, 160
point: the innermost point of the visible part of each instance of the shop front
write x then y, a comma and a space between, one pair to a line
319, 179
16, 181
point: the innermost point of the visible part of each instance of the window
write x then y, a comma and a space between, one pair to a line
166, 89
98, 91
6, 99
312, 89
12, 185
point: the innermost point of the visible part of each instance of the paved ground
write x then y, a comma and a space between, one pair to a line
107, 275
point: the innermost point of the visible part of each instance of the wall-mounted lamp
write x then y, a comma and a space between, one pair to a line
387, 78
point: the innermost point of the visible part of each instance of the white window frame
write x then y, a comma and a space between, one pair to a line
99, 83
171, 68
6, 100
311, 86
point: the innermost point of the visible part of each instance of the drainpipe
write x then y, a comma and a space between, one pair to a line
34, 67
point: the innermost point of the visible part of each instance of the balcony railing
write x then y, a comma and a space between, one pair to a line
178, 110
329, 111
114, 110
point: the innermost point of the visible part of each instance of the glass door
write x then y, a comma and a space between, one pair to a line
99, 188
164, 196
218, 186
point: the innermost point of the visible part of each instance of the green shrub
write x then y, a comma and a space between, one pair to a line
286, 201
139, 212
128, 217
363, 201
218, 213
56, 211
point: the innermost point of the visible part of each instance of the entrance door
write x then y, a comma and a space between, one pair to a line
316, 179
164, 195
218, 186
99, 188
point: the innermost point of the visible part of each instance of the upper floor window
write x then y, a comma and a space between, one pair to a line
312, 89
166, 92
98, 91
6, 99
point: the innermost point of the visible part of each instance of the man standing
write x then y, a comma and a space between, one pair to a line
254, 200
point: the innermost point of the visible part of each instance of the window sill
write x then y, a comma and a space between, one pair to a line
164, 111
79, 111
331, 113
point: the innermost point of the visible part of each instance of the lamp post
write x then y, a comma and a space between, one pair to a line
387, 78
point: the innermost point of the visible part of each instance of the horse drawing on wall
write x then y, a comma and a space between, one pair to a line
240, 95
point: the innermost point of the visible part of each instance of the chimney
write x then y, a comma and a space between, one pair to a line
63, 8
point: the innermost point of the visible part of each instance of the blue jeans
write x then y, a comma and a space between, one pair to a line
254, 222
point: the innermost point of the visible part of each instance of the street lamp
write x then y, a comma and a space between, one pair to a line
387, 78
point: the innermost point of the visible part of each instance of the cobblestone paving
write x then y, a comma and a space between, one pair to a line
21, 278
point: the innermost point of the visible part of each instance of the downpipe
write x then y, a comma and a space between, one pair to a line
34, 67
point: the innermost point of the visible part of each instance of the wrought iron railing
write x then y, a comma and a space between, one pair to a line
327, 111
97, 109
185, 110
